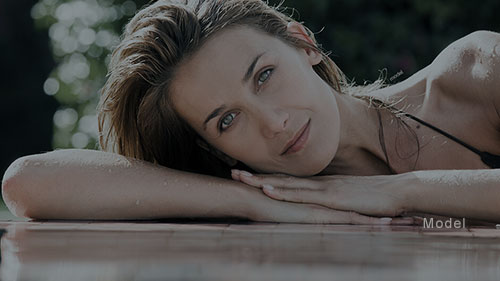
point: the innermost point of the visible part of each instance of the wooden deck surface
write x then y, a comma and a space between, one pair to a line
159, 250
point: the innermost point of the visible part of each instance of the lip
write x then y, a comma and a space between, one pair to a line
298, 141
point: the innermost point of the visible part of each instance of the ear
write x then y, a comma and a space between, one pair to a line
217, 153
298, 31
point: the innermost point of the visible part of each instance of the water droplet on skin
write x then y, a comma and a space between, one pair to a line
36, 164
164, 183
137, 202
109, 170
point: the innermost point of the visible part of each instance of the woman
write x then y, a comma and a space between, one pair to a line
205, 86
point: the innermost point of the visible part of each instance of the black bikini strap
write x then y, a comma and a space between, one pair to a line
489, 159
468, 146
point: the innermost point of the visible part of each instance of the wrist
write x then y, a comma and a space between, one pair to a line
406, 184
396, 191
259, 207
248, 201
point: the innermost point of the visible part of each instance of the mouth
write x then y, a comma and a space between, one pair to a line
299, 140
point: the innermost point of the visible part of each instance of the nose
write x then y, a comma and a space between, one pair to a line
273, 121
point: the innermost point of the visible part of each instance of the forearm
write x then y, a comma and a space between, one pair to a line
471, 194
86, 184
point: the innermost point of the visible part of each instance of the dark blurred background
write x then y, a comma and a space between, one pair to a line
55, 52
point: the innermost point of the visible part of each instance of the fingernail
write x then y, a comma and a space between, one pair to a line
267, 187
245, 173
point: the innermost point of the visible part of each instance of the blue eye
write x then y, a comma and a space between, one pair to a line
264, 76
226, 121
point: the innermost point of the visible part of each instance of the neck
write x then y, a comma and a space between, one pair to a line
360, 151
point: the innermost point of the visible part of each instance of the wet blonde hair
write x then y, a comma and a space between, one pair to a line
135, 113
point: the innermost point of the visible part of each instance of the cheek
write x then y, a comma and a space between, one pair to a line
294, 90
239, 143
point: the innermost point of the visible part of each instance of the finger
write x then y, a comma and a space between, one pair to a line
245, 177
276, 180
351, 217
356, 218
235, 174
238, 175
407, 221
309, 213
298, 195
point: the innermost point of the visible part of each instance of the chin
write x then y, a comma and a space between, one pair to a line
309, 169
315, 169
322, 161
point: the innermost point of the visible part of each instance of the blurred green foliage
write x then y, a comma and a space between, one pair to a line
82, 35
365, 37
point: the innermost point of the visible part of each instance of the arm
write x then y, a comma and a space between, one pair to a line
88, 184
473, 194
457, 193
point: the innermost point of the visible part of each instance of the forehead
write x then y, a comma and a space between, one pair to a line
225, 52
213, 75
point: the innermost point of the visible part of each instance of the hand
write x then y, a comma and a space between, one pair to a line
287, 212
369, 195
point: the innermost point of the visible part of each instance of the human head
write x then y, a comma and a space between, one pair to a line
136, 113
267, 91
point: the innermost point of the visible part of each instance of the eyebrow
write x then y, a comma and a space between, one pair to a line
216, 112
251, 68
212, 115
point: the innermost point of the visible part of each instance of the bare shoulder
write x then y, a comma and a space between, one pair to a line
466, 72
469, 69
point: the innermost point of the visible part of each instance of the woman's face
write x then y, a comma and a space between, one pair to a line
250, 95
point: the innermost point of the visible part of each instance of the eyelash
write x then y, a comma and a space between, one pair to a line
270, 71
